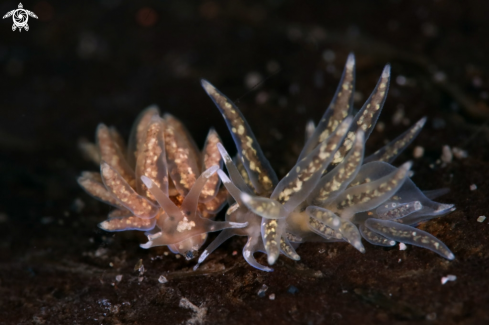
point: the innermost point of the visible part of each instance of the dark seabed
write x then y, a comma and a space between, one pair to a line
86, 62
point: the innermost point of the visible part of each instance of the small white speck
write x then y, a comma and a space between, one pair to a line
401, 80
78, 205
402, 246
199, 313
459, 153
344, 291
100, 252
447, 278
400, 260
252, 79
329, 56
446, 155
481, 219
273, 66
431, 316
473, 187
263, 289
439, 76
272, 296
380, 126
118, 278
418, 152
398, 115
261, 97
162, 279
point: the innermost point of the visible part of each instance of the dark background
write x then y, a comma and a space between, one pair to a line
86, 62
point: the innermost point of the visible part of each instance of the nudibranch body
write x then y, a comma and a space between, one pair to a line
159, 187
332, 193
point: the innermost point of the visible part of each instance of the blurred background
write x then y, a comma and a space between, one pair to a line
86, 62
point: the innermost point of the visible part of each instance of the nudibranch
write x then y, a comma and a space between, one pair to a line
164, 185
332, 193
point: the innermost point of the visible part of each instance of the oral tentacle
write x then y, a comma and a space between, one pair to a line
234, 173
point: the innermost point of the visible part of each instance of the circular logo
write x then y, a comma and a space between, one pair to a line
20, 17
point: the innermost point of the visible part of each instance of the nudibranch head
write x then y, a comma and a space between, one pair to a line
164, 185
333, 193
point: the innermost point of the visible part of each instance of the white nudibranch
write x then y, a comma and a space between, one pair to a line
333, 193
